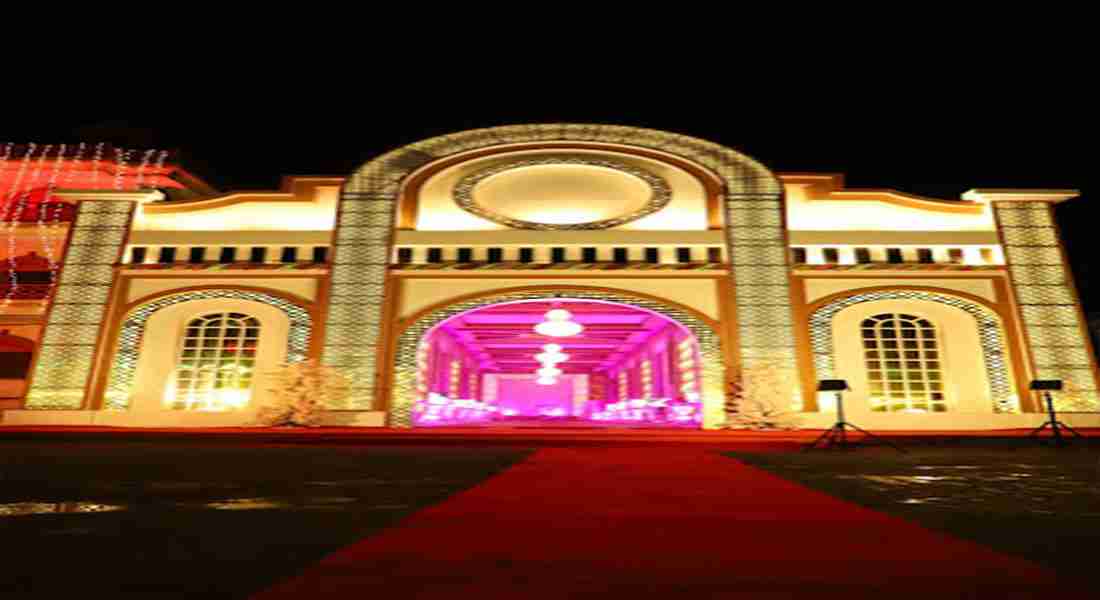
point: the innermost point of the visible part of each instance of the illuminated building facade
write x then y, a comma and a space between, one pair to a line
603, 274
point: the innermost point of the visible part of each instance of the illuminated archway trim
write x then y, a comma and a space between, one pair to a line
403, 392
752, 206
989, 323
131, 330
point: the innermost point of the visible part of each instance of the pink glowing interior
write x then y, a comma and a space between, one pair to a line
628, 366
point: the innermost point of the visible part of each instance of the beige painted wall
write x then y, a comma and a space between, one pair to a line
698, 293
809, 214
304, 287
315, 214
438, 211
819, 288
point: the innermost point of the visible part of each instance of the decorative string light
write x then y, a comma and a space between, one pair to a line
145, 158
43, 225
97, 157
14, 216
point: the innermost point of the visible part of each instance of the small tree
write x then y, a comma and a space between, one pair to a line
301, 392
760, 398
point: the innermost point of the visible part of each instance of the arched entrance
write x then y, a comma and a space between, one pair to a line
638, 361
749, 203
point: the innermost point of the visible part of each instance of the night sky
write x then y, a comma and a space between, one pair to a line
931, 140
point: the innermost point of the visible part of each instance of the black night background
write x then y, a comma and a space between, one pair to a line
937, 132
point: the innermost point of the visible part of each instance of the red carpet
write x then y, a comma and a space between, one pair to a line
657, 523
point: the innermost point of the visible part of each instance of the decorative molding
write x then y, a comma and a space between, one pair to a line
464, 198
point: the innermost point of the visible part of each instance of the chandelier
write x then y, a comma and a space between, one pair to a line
549, 358
558, 323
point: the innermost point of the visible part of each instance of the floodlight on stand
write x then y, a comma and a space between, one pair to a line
837, 435
1046, 386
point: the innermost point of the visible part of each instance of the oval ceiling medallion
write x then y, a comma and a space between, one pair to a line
562, 193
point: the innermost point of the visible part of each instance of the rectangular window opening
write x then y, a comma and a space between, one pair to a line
683, 255
166, 255
138, 254
257, 254
227, 255
289, 255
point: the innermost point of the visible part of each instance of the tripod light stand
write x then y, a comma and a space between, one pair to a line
1056, 426
837, 435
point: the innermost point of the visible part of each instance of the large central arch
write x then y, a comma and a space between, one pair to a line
754, 226
403, 392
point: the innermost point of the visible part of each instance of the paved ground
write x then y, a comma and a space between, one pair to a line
659, 523
170, 520
1036, 502
185, 519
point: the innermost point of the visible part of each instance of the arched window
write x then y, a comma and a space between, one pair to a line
904, 364
214, 371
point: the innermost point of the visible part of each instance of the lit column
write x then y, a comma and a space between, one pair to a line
1048, 304
67, 350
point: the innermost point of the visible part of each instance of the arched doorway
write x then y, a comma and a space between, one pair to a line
749, 204
636, 362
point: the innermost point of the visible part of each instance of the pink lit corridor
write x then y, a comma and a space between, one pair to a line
560, 363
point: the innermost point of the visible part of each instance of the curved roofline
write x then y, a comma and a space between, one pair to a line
296, 188
830, 186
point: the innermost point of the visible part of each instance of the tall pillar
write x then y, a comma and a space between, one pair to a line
65, 355
1046, 296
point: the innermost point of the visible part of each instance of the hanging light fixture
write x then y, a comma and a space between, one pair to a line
549, 372
558, 323
551, 358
